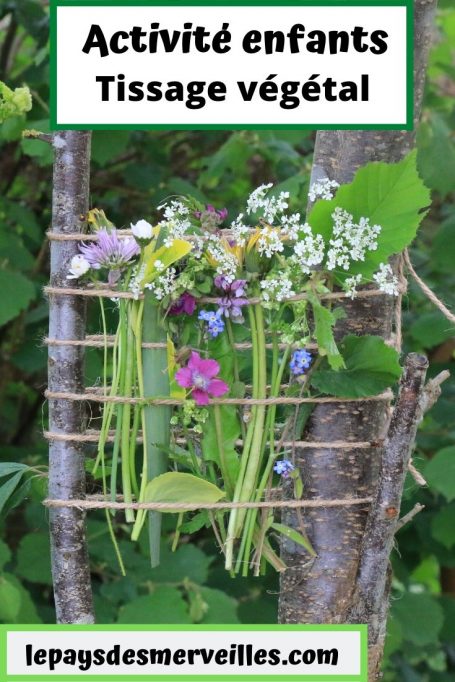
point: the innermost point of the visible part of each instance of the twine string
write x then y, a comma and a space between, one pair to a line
186, 506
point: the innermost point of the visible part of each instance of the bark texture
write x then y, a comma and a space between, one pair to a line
70, 566
322, 591
371, 597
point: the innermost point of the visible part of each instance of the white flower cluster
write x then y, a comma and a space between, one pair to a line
269, 242
176, 221
276, 290
350, 285
322, 189
226, 263
291, 226
239, 230
269, 206
386, 280
350, 240
308, 251
135, 285
163, 285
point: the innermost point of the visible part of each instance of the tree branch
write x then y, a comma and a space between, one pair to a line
371, 596
70, 567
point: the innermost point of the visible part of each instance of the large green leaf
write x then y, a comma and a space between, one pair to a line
220, 607
17, 292
10, 601
440, 472
390, 195
371, 367
8, 488
34, 545
443, 526
420, 616
166, 605
175, 487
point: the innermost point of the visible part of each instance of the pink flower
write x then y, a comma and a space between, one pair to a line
200, 376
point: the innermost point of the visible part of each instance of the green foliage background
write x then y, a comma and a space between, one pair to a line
132, 173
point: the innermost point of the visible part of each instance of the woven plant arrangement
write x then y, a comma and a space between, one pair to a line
226, 337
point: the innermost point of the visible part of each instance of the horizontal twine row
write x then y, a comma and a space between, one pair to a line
281, 400
112, 293
185, 506
93, 436
122, 234
98, 341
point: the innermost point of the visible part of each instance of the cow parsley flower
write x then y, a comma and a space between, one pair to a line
200, 376
111, 253
350, 285
283, 467
386, 280
176, 221
226, 263
270, 207
239, 230
79, 266
275, 290
269, 242
164, 285
309, 252
291, 226
350, 240
215, 322
300, 361
322, 189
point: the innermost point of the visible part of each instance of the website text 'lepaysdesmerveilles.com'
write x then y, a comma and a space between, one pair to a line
276, 653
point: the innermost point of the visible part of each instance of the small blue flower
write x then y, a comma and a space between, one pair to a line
300, 361
215, 322
283, 467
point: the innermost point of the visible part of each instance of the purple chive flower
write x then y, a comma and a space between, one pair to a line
185, 305
300, 361
214, 319
283, 467
201, 377
231, 303
111, 253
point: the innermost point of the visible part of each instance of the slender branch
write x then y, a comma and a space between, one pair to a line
70, 566
417, 508
371, 593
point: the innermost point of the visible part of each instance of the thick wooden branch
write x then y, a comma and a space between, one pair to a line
371, 596
70, 567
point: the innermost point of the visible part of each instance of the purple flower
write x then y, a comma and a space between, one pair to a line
283, 467
231, 303
185, 305
111, 253
215, 324
200, 376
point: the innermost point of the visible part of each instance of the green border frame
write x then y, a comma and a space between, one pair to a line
362, 629
234, 3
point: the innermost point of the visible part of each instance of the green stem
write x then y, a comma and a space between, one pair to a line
220, 442
126, 422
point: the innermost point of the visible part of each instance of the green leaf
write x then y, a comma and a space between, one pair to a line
431, 329
34, 545
324, 321
17, 293
175, 487
443, 526
27, 611
197, 522
7, 468
107, 145
220, 607
165, 605
10, 601
434, 144
440, 472
390, 195
8, 488
371, 367
294, 535
420, 616
187, 562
